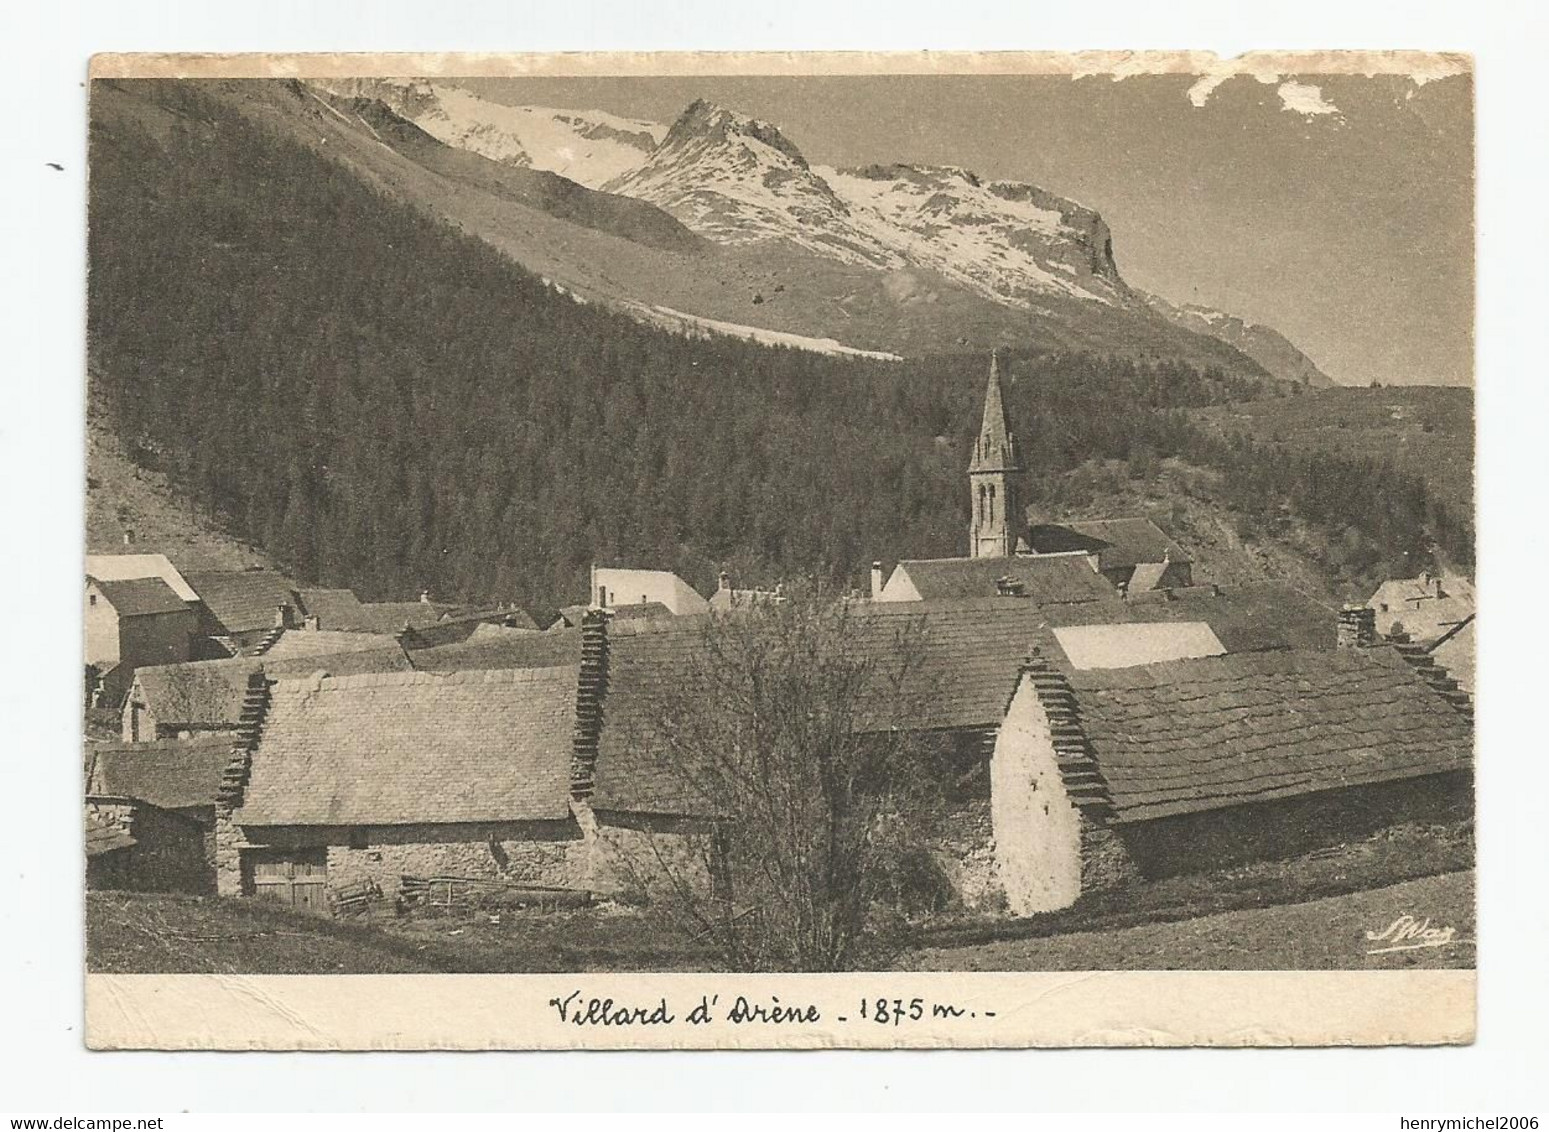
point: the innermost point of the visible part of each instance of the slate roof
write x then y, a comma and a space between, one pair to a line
645, 670
172, 774
1050, 580
573, 615
244, 600
1120, 544
452, 629
104, 837
390, 616
1193, 735
400, 748
123, 567
971, 649
141, 597
511, 648
333, 608
321, 642
208, 693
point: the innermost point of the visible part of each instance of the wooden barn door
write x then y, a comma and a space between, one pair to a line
297, 877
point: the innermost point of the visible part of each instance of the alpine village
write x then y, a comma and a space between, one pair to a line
535, 540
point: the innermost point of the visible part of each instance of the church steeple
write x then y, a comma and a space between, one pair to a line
992, 479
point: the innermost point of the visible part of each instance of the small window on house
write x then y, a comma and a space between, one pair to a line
91, 599
358, 839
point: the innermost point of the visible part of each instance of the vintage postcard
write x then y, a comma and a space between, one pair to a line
802, 551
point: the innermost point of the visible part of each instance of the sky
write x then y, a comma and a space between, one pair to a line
1337, 209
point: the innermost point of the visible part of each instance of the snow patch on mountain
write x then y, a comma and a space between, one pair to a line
695, 324
738, 180
1007, 241
589, 147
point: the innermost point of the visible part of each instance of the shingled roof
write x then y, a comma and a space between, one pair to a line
295, 643
421, 747
333, 608
509, 648
1118, 543
140, 597
170, 773
455, 628
244, 600
208, 693
1195, 735
650, 666
1044, 580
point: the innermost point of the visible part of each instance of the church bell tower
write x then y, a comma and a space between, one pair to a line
993, 476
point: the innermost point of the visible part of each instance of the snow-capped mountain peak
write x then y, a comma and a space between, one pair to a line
589, 147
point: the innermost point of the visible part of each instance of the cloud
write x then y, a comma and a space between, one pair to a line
1306, 99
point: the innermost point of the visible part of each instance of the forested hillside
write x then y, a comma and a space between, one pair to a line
382, 402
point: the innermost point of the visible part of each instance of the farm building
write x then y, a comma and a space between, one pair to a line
132, 623
161, 796
240, 608
1102, 775
478, 775
175, 701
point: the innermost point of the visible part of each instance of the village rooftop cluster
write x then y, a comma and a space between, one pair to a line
1114, 718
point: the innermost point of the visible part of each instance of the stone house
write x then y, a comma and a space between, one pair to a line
1134, 554
137, 847
239, 609
161, 795
131, 624
479, 774
1105, 775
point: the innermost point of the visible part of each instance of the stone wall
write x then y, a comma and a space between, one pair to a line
545, 854
1195, 843
169, 854
644, 857
1038, 832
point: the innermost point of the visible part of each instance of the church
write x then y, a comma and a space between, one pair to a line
1051, 563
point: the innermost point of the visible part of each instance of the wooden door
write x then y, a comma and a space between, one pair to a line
297, 877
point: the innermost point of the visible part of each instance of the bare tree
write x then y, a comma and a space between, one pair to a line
793, 729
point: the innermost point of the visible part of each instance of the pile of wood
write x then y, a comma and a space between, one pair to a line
352, 899
452, 892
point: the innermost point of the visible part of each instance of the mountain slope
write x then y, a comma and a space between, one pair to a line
1267, 346
891, 259
586, 146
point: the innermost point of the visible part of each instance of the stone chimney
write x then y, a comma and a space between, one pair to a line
282, 615
591, 691
876, 580
723, 581
1357, 627
425, 597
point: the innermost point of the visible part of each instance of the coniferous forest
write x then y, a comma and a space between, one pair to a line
386, 404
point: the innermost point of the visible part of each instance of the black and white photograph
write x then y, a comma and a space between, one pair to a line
1009, 519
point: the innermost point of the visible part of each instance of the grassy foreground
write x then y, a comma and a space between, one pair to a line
149, 933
